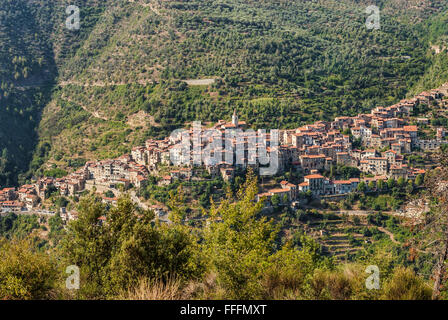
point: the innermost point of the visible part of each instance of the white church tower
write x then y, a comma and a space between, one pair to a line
235, 118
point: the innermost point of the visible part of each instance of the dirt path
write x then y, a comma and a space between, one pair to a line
200, 82
93, 113
357, 212
390, 234
190, 82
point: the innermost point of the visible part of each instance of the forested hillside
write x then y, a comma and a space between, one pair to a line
26, 65
70, 96
30, 60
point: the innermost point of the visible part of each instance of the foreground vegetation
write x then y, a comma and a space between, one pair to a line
237, 254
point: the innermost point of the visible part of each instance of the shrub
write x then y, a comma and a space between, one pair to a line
406, 285
25, 273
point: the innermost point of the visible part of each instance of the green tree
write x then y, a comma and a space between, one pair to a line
419, 180
241, 248
275, 200
362, 187
56, 228
25, 273
390, 183
433, 236
113, 256
380, 185
109, 194
401, 182
410, 187
87, 246
177, 205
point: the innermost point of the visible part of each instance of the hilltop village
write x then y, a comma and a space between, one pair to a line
376, 143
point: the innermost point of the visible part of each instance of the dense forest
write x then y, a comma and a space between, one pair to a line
29, 55
26, 65
68, 96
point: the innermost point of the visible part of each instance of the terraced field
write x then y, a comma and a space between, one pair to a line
346, 236
339, 245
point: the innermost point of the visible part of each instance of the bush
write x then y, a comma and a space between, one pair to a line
406, 285
24, 272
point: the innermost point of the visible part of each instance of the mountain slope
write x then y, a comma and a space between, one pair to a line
29, 66
280, 63
26, 69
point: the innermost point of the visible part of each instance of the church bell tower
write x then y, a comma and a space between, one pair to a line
235, 118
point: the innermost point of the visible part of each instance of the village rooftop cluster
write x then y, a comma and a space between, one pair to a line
310, 149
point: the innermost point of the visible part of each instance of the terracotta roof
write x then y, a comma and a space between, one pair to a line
314, 176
